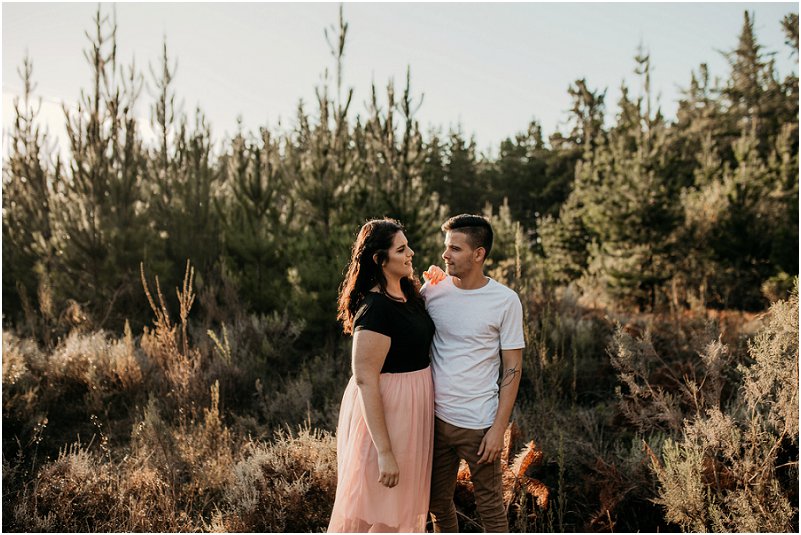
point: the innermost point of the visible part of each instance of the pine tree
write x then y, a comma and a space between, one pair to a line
324, 168
464, 188
256, 210
534, 179
183, 179
626, 200
394, 167
742, 239
565, 241
30, 182
587, 116
753, 96
103, 229
511, 260
556, 224
434, 170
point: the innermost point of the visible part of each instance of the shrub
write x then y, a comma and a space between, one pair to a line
82, 492
286, 486
738, 470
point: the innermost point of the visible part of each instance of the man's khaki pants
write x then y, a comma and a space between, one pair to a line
450, 444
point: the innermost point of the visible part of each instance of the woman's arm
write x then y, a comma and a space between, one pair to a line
369, 352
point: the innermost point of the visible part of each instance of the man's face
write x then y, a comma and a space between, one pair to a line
459, 256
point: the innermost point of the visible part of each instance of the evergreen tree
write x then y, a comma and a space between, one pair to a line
256, 209
790, 27
587, 116
753, 96
535, 180
743, 237
182, 179
464, 188
324, 169
30, 182
103, 227
511, 260
564, 241
699, 123
434, 172
741, 213
394, 167
626, 201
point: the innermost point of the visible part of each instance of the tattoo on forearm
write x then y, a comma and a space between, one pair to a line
509, 376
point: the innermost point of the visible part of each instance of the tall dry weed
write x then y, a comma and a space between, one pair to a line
167, 343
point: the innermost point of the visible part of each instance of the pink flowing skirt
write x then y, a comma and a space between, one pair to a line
363, 504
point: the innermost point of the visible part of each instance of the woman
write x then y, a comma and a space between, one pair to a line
386, 421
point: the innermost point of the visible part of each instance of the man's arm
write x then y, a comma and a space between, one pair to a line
492, 443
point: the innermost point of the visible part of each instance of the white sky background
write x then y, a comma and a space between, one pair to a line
489, 67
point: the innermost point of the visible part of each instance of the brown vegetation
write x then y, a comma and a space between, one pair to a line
175, 430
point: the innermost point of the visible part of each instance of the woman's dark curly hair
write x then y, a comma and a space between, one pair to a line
363, 273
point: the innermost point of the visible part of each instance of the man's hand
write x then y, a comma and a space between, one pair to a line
491, 445
433, 275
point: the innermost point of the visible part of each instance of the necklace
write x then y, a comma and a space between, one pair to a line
398, 299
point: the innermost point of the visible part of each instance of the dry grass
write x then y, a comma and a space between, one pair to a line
286, 486
172, 430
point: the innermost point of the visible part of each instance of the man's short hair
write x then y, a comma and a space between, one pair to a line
476, 227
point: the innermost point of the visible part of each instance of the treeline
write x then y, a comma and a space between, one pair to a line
697, 212
123, 410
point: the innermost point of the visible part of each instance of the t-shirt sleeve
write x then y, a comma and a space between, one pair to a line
512, 325
372, 316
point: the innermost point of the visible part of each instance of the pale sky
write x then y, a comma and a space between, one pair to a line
490, 67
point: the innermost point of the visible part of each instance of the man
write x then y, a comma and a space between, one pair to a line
477, 319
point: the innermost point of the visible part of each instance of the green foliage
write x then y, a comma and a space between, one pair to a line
625, 202
394, 172
177, 423
183, 180
700, 212
255, 207
103, 225
455, 173
30, 183
534, 179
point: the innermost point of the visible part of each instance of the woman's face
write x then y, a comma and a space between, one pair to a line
399, 258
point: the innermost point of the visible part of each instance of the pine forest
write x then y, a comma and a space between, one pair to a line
171, 355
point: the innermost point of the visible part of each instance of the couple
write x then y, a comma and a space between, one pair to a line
427, 386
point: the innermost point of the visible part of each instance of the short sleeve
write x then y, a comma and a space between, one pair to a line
372, 316
512, 325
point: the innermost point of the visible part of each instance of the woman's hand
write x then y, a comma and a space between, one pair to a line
433, 275
388, 471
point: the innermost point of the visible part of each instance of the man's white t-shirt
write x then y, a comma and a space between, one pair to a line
472, 326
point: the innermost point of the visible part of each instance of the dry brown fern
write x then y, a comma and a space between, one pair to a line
515, 479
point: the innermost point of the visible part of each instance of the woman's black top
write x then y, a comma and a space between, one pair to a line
408, 325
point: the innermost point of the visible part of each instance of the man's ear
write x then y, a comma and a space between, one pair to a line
479, 254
